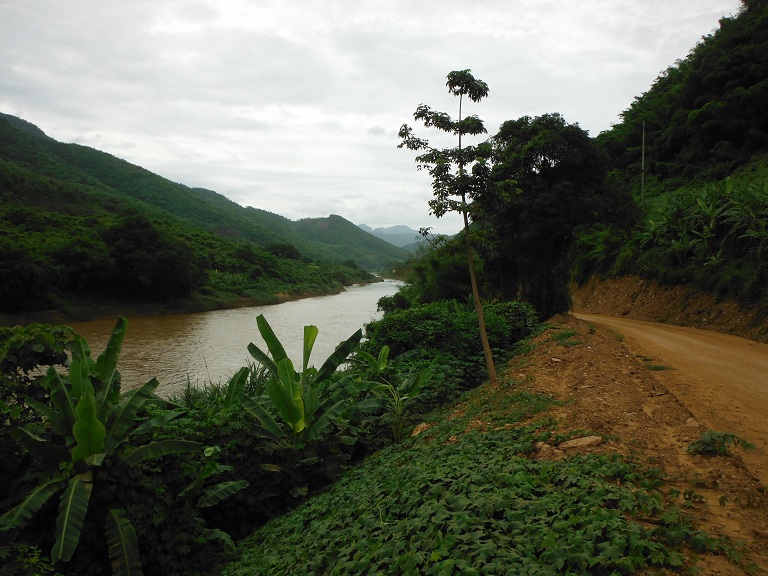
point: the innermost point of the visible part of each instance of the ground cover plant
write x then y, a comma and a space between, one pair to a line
459, 499
445, 335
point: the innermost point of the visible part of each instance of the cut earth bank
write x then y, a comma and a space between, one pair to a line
649, 405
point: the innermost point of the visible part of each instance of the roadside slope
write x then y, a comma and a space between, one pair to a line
609, 390
721, 379
634, 297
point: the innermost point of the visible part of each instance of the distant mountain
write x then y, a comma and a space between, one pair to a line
399, 235
340, 235
110, 184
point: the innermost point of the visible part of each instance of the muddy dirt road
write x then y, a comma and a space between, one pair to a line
721, 379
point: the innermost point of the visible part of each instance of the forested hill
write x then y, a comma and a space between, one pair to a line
706, 115
703, 200
79, 222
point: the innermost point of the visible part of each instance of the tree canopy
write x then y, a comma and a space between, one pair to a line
548, 178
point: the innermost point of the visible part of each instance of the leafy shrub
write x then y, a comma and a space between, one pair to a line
713, 443
91, 487
475, 505
447, 336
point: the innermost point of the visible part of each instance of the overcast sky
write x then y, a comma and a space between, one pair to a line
293, 106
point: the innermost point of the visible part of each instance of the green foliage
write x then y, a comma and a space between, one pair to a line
440, 273
548, 180
394, 400
302, 400
87, 447
287, 433
78, 223
566, 338
713, 443
24, 350
703, 116
446, 336
397, 301
473, 503
713, 236
459, 175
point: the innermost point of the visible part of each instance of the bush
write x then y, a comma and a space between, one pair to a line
447, 336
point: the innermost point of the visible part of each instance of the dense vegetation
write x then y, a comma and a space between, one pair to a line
81, 223
561, 206
703, 193
102, 482
99, 478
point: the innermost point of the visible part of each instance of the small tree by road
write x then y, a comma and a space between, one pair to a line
458, 174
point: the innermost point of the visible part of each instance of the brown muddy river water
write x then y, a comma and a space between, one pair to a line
211, 346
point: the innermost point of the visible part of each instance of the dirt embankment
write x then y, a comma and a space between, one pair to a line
608, 389
634, 297
658, 388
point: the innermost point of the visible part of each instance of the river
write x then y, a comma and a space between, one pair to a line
210, 346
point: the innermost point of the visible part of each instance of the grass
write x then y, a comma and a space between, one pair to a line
648, 364
656, 367
566, 338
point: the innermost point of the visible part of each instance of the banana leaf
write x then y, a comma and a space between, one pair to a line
285, 393
123, 545
79, 367
267, 423
64, 404
106, 363
106, 368
88, 430
310, 335
333, 407
46, 411
72, 510
16, 517
339, 356
311, 402
156, 450
235, 386
273, 343
372, 404
40, 448
123, 416
221, 491
377, 365
147, 425
262, 358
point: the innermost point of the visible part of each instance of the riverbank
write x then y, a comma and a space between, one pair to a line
87, 309
483, 506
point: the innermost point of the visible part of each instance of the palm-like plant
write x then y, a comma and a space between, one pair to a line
303, 400
85, 442
394, 400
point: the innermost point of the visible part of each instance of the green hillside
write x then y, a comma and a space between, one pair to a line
706, 114
338, 235
703, 196
78, 223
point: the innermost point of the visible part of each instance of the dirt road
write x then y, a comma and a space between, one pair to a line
721, 379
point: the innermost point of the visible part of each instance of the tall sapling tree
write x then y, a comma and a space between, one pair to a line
458, 174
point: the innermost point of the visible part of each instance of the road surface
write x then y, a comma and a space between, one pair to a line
721, 379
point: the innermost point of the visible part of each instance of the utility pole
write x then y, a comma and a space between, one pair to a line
642, 171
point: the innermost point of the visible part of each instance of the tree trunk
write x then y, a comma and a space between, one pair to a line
490, 366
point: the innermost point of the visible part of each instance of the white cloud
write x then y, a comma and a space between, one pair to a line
294, 107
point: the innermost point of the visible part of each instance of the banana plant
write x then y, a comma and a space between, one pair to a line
395, 400
302, 400
86, 442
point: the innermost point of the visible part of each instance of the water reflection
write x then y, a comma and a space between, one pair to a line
210, 346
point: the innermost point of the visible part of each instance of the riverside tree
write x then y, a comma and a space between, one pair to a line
548, 180
459, 174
